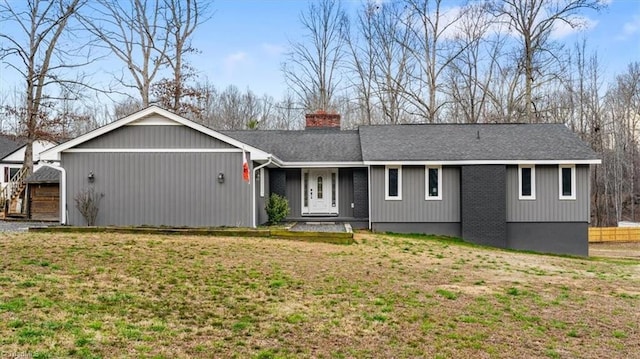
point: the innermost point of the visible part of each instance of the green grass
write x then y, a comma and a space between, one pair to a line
102, 295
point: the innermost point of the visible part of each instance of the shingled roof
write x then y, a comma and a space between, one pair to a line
472, 142
44, 175
304, 146
8, 145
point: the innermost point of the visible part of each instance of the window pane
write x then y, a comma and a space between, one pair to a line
306, 189
333, 189
526, 181
566, 181
393, 182
319, 194
12, 172
433, 182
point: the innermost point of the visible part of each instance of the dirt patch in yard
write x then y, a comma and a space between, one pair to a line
615, 250
114, 295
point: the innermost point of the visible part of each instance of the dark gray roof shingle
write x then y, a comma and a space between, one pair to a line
8, 145
44, 175
304, 146
459, 142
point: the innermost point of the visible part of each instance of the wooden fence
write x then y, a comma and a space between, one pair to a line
614, 234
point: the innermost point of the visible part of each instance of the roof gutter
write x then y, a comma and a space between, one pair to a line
253, 190
485, 162
63, 191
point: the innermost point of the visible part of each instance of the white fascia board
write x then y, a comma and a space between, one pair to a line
483, 162
153, 150
321, 164
53, 154
18, 154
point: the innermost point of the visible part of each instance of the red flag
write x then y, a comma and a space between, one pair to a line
245, 167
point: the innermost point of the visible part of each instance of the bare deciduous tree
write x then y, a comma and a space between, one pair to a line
431, 50
313, 69
391, 62
361, 60
533, 22
37, 53
135, 32
182, 17
472, 71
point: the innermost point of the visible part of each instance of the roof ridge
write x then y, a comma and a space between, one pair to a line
460, 124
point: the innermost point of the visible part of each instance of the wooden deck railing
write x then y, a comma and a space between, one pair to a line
614, 234
15, 185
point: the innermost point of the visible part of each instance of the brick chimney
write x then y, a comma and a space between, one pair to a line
322, 120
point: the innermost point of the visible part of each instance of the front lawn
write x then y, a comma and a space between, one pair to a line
114, 295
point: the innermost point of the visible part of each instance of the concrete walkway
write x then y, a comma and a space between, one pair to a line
21, 226
320, 227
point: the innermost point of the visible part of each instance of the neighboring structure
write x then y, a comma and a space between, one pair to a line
12, 181
11, 161
509, 185
43, 194
8, 145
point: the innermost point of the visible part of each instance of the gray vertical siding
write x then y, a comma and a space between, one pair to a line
293, 191
174, 189
547, 207
154, 137
413, 207
361, 193
345, 192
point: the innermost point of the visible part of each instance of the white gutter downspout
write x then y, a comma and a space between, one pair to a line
369, 192
63, 191
253, 191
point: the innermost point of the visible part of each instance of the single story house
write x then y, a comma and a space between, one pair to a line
521, 186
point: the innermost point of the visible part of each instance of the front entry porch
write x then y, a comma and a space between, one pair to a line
320, 192
327, 194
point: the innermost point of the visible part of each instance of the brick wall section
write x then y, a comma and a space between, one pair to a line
360, 193
322, 120
483, 202
277, 182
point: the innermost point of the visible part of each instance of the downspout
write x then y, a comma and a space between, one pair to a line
63, 191
253, 190
369, 192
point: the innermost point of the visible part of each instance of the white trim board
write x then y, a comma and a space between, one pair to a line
154, 121
284, 164
482, 162
532, 196
152, 150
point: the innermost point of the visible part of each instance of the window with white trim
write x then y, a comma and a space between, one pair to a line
526, 182
393, 183
9, 172
567, 181
433, 183
260, 175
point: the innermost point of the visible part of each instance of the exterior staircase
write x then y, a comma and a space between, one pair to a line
12, 196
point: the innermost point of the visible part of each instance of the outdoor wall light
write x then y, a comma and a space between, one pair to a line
91, 177
220, 177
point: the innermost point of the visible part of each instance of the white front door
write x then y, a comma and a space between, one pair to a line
320, 191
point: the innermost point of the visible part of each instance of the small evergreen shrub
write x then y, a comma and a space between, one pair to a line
277, 208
